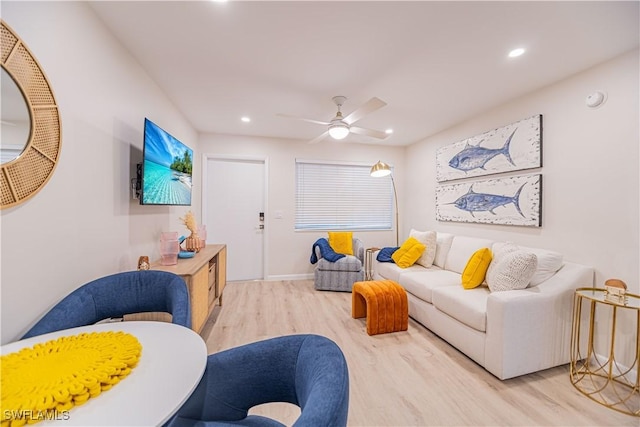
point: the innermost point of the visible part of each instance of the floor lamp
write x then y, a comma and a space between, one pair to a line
383, 169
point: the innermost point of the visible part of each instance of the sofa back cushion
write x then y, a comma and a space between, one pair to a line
443, 244
462, 248
549, 262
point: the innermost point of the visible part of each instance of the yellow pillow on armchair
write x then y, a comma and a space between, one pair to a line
341, 242
408, 253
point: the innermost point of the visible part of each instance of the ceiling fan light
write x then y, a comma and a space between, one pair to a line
338, 131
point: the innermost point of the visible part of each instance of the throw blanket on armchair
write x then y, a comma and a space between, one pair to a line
385, 254
325, 250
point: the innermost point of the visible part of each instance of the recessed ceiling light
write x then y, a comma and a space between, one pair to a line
245, 119
516, 52
388, 131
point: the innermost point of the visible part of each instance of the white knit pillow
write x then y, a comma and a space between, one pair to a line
511, 271
427, 238
499, 250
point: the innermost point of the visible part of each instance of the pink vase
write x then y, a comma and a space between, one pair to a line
169, 251
202, 233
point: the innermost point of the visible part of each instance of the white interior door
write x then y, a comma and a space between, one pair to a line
232, 206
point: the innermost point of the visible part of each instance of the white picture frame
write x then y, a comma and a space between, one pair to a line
517, 146
513, 200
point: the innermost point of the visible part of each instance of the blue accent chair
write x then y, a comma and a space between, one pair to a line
116, 295
309, 371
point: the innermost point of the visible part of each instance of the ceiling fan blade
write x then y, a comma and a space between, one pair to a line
319, 138
288, 116
368, 107
368, 132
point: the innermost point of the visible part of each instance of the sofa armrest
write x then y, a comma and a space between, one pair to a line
530, 329
358, 249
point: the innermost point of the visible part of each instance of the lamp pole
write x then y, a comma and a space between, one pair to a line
383, 169
395, 198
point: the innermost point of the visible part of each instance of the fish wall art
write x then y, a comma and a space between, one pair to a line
514, 147
514, 200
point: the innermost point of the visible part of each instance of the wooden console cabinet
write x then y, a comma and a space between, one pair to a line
206, 277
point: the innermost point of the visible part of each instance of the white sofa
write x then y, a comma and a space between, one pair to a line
509, 333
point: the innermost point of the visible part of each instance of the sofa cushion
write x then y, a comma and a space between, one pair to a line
390, 271
341, 242
476, 268
468, 306
443, 244
513, 270
461, 250
421, 283
549, 263
347, 263
428, 239
408, 253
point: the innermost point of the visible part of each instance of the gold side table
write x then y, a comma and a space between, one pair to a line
599, 376
368, 263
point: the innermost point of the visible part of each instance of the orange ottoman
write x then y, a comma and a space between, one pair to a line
383, 302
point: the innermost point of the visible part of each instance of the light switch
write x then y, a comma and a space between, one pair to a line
277, 214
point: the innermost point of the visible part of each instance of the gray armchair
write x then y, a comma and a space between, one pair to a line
340, 275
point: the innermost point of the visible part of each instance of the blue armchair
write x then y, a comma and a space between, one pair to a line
117, 295
306, 370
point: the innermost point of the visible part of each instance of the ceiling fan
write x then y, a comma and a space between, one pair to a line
339, 127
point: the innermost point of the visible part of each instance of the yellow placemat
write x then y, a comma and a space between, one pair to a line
47, 380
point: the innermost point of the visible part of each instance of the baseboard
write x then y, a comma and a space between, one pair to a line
307, 276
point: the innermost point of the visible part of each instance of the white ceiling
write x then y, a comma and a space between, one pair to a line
434, 63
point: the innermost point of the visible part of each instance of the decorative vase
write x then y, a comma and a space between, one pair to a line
193, 243
202, 233
143, 263
169, 252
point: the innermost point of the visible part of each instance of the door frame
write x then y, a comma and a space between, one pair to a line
261, 159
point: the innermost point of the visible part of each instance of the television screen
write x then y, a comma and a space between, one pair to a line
166, 168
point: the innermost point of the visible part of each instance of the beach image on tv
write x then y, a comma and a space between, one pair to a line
167, 168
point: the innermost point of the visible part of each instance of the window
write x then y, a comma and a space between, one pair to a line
341, 196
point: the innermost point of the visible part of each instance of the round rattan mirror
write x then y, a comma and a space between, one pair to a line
24, 176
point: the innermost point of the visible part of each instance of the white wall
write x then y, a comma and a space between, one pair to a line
590, 195
83, 224
591, 188
288, 250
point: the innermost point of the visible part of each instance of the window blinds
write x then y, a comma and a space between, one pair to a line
340, 196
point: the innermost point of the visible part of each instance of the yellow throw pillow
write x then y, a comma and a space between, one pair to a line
341, 242
476, 268
408, 253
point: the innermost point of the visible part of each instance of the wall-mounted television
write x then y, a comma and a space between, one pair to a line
167, 168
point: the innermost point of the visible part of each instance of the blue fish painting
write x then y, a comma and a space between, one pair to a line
475, 157
483, 202
489, 201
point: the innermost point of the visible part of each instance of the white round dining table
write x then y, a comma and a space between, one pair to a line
171, 365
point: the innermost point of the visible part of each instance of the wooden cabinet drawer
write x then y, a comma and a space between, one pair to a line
212, 282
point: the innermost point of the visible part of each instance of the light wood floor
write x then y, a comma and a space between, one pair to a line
411, 378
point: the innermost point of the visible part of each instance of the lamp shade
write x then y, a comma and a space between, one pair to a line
380, 169
338, 130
